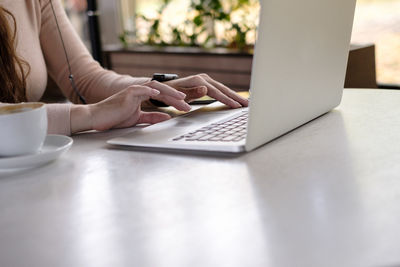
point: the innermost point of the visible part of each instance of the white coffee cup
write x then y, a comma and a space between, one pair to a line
23, 128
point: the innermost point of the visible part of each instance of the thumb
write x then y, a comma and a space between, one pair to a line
193, 93
153, 117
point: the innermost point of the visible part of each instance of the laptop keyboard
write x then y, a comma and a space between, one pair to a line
232, 130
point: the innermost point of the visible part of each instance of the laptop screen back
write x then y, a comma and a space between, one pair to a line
299, 64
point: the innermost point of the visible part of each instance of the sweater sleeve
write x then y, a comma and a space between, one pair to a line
58, 117
92, 81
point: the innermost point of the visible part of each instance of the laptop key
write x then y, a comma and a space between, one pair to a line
232, 130
205, 138
228, 138
216, 138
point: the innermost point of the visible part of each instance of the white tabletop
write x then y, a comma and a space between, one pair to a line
326, 194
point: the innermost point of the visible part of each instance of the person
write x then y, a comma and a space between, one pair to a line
31, 48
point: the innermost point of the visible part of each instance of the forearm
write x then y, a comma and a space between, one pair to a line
59, 117
92, 81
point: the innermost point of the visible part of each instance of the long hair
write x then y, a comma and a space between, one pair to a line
12, 73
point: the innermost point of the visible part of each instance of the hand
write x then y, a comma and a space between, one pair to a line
168, 95
123, 109
197, 86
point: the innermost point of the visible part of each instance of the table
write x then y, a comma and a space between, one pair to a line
326, 194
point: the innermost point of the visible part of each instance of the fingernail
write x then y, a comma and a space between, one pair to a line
155, 92
182, 95
188, 107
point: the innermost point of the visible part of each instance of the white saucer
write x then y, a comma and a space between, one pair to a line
53, 147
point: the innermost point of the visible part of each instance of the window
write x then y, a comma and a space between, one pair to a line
76, 11
378, 22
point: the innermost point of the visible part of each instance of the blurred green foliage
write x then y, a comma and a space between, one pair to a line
199, 27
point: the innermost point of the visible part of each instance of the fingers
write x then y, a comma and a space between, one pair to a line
142, 92
214, 89
166, 90
220, 96
178, 104
169, 95
225, 90
214, 92
153, 117
194, 93
229, 92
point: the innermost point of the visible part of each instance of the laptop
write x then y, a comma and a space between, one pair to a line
298, 75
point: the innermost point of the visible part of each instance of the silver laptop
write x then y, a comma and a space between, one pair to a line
298, 74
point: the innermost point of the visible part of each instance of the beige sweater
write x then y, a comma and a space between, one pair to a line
39, 44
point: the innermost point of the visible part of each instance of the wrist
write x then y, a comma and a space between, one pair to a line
81, 118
